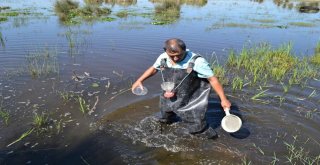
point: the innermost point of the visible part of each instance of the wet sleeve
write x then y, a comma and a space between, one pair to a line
203, 68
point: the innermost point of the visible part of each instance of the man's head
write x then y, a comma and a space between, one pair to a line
175, 48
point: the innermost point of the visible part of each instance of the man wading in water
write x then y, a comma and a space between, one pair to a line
193, 79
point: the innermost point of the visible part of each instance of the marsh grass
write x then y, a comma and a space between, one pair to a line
3, 19
4, 115
42, 62
25, 134
40, 121
122, 14
83, 106
66, 96
237, 83
263, 64
297, 154
264, 20
315, 59
70, 13
302, 24
166, 13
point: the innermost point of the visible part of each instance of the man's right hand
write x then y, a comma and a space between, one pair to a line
135, 85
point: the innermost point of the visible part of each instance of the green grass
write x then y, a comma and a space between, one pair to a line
315, 59
166, 13
4, 115
4, 8
263, 64
42, 62
25, 134
83, 107
40, 121
302, 24
70, 13
297, 154
122, 14
264, 20
3, 19
66, 96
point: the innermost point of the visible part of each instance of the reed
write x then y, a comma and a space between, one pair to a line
263, 64
237, 83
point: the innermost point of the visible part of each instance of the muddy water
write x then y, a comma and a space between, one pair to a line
121, 128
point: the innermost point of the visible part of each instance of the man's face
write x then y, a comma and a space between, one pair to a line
175, 53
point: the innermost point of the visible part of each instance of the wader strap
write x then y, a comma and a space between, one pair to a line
163, 63
191, 63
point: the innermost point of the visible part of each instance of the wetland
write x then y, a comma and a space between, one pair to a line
67, 68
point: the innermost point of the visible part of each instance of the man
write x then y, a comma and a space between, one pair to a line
193, 79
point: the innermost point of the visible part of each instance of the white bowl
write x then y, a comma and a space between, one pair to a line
140, 91
167, 86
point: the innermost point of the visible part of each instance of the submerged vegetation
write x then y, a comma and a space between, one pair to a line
42, 62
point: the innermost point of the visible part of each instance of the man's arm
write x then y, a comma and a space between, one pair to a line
214, 82
148, 73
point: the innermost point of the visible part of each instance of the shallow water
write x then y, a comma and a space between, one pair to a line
121, 128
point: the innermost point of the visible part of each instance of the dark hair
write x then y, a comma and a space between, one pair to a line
178, 41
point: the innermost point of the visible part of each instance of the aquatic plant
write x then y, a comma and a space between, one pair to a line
84, 108
219, 72
4, 8
315, 59
237, 83
244, 161
39, 121
259, 95
261, 63
42, 62
298, 154
3, 19
302, 24
66, 96
25, 134
70, 13
122, 14
166, 13
4, 115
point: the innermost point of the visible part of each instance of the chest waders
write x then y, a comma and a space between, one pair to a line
190, 101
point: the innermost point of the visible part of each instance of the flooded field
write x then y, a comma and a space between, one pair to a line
66, 69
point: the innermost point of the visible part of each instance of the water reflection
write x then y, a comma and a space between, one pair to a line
166, 13
121, 2
181, 2
71, 13
303, 7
